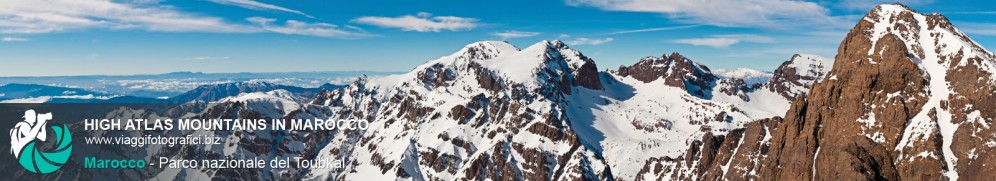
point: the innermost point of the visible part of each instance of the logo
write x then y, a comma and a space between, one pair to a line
27, 134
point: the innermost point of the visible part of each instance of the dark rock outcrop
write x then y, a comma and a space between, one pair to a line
675, 70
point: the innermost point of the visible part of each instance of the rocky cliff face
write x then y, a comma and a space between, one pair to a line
895, 106
794, 77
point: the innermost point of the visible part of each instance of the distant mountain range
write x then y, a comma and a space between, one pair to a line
176, 83
750, 76
32, 93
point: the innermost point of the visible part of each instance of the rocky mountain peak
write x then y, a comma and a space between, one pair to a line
494, 65
484, 50
907, 98
555, 44
750, 77
926, 36
444, 109
677, 56
675, 70
208, 93
794, 77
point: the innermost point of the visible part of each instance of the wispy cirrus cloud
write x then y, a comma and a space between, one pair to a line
653, 29
256, 5
45, 16
49, 16
985, 29
724, 41
514, 34
13, 39
748, 38
207, 58
590, 41
294, 27
774, 14
421, 22
710, 42
866, 5
970, 12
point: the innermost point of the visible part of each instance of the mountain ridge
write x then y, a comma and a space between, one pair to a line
907, 97
905, 100
491, 102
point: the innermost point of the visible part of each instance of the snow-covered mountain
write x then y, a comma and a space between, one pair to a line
907, 97
493, 111
794, 77
215, 92
910, 97
750, 76
926, 96
488, 111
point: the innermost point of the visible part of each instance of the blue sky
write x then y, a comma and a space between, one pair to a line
86, 37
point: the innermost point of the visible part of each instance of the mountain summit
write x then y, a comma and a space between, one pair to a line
909, 97
543, 112
793, 78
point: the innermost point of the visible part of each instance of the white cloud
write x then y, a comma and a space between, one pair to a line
653, 29
589, 41
867, 5
710, 42
724, 41
985, 29
45, 16
514, 34
207, 58
251, 4
970, 12
421, 22
48, 16
748, 38
294, 27
776, 14
13, 39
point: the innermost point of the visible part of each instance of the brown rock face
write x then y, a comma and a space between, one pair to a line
873, 118
486, 78
791, 81
675, 70
437, 75
737, 155
825, 120
587, 76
